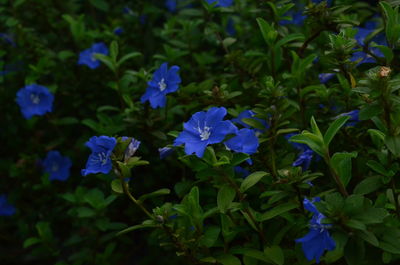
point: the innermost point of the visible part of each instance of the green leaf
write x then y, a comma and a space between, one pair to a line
368, 185
275, 254
377, 167
268, 32
393, 143
106, 60
225, 197
100, 4
156, 193
368, 237
278, 210
228, 259
127, 57
95, 198
334, 127
290, 38
116, 186
137, 227
341, 162
369, 111
356, 224
252, 180
314, 128
311, 140
210, 236
85, 212
114, 50
31, 241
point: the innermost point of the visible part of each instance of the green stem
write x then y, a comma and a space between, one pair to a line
335, 176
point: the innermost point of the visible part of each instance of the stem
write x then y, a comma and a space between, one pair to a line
138, 203
310, 39
335, 176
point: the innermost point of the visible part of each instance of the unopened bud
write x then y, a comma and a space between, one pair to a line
384, 71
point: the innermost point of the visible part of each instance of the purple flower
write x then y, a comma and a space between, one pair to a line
34, 100
57, 166
220, 3
245, 141
87, 57
318, 239
6, 209
164, 81
99, 160
205, 128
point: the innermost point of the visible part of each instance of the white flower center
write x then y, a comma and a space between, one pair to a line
35, 98
93, 58
102, 158
162, 85
54, 167
204, 133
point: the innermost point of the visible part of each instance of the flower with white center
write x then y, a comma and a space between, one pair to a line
99, 160
205, 128
34, 100
57, 166
164, 81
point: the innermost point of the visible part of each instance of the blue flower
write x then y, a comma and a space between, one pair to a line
171, 5
304, 159
318, 239
325, 77
57, 166
309, 204
220, 3
164, 81
6, 209
245, 141
34, 100
8, 39
132, 147
118, 31
250, 114
99, 160
86, 57
353, 117
230, 27
241, 172
205, 128
165, 152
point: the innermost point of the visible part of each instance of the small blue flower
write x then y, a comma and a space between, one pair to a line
171, 5
220, 3
132, 147
318, 239
325, 77
34, 100
118, 31
8, 39
6, 209
354, 119
304, 159
241, 172
165, 152
99, 160
245, 141
164, 81
87, 58
230, 27
57, 166
205, 128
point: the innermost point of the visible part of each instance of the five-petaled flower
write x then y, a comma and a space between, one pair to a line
205, 128
164, 81
6, 209
34, 100
57, 166
318, 239
99, 160
220, 3
87, 57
